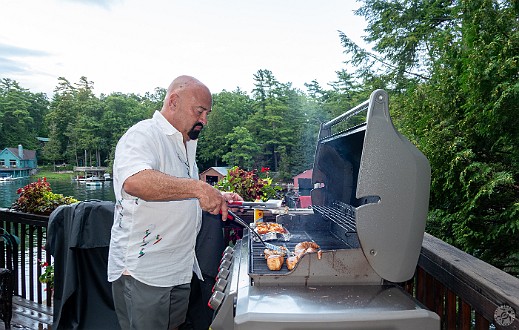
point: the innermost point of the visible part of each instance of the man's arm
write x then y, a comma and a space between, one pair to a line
152, 185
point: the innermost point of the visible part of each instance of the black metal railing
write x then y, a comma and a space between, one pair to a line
25, 259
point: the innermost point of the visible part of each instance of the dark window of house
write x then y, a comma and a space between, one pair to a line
211, 179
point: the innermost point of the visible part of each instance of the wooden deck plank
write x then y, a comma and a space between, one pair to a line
28, 315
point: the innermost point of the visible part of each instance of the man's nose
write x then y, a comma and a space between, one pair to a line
203, 118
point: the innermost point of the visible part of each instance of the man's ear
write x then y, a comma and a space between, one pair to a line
173, 101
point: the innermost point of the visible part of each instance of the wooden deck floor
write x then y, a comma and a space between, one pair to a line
28, 315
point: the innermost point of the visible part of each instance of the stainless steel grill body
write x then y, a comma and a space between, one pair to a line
315, 305
370, 201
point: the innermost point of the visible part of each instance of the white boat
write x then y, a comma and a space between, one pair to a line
88, 179
94, 183
6, 178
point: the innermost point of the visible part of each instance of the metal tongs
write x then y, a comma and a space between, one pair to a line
279, 249
271, 204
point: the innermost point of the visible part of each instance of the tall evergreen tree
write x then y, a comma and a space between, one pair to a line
454, 66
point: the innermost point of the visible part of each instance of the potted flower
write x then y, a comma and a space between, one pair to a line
250, 185
38, 198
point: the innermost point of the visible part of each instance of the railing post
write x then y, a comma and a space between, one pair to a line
450, 311
465, 316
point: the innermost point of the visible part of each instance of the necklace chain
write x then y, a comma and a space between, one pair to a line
186, 163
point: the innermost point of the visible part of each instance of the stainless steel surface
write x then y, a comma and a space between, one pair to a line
348, 114
330, 307
315, 306
270, 204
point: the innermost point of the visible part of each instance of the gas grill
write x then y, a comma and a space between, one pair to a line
369, 206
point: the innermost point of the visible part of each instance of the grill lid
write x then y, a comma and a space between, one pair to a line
385, 177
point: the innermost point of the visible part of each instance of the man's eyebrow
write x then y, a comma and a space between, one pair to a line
204, 108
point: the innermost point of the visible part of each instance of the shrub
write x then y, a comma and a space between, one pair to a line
249, 185
38, 198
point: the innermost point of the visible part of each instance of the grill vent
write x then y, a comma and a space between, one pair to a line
341, 213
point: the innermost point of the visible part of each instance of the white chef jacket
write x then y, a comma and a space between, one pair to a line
154, 241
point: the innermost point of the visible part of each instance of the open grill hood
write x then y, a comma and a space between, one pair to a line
384, 177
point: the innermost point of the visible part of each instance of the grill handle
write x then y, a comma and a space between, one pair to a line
348, 114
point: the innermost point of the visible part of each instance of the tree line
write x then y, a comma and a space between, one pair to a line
274, 127
451, 71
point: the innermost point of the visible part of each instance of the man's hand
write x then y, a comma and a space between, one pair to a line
211, 199
230, 197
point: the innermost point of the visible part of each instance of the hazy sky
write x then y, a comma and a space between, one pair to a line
134, 46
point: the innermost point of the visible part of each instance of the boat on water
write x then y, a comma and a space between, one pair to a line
88, 179
94, 183
7, 178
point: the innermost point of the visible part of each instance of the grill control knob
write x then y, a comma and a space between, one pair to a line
223, 273
216, 300
226, 256
220, 285
228, 249
225, 264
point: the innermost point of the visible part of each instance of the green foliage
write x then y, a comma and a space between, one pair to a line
217, 142
47, 276
249, 185
453, 66
21, 114
242, 148
38, 198
84, 129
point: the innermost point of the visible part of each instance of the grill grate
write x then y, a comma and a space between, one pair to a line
340, 213
325, 239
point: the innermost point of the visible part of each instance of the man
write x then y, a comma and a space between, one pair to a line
159, 203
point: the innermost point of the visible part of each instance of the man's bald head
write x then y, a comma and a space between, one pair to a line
186, 106
183, 83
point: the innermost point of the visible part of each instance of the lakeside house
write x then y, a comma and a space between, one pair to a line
17, 163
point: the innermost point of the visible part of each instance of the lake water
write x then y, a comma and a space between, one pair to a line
78, 190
